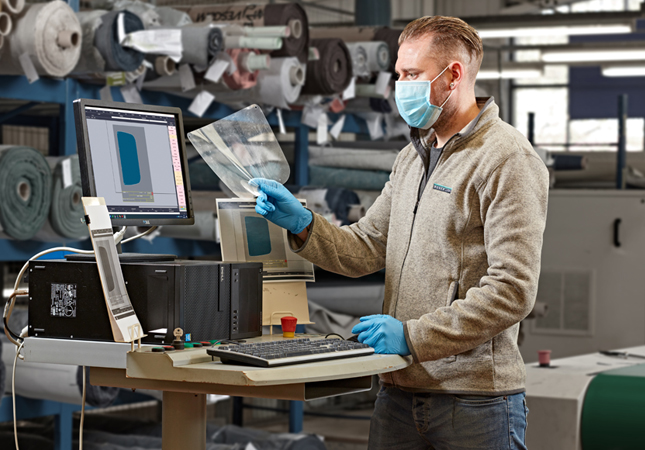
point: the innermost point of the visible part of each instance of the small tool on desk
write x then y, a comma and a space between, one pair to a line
624, 355
177, 343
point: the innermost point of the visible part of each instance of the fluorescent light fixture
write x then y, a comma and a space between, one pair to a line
518, 71
593, 55
571, 30
624, 71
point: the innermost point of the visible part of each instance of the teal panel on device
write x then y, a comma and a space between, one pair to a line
129, 158
257, 236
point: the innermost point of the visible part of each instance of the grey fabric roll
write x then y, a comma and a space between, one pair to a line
66, 207
91, 60
25, 191
359, 59
200, 44
378, 56
118, 58
171, 17
363, 159
50, 34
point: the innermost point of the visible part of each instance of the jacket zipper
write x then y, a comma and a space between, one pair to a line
414, 216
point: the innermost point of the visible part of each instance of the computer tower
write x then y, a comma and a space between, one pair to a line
207, 300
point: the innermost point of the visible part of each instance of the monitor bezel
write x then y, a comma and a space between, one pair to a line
85, 156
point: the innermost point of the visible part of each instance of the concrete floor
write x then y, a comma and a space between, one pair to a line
338, 433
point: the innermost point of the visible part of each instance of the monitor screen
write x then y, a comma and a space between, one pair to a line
134, 157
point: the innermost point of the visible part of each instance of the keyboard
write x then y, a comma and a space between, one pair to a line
291, 351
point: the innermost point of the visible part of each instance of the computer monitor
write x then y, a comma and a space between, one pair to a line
134, 156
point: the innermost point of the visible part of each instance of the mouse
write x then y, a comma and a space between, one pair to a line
353, 338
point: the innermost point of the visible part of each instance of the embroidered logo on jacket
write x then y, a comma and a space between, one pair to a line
441, 188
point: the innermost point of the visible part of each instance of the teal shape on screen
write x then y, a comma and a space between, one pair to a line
129, 158
257, 236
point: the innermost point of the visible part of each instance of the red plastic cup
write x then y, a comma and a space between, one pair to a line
544, 358
289, 326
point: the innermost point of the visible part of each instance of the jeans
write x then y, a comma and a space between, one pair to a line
405, 420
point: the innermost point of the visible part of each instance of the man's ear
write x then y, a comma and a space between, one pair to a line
456, 73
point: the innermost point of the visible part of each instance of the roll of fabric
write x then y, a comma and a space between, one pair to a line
282, 83
241, 78
50, 34
12, 6
200, 44
284, 14
66, 207
332, 73
171, 17
391, 38
359, 59
25, 187
347, 178
118, 58
6, 24
351, 158
91, 60
378, 55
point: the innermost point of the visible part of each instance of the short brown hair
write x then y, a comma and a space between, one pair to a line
453, 38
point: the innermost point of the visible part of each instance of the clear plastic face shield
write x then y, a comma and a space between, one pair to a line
240, 147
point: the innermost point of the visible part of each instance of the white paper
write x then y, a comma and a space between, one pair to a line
186, 78
216, 70
131, 94
67, 173
337, 128
382, 82
156, 41
201, 103
321, 130
282, 129
105, 93
350, 92
310, 115
28, 68
374, 125
142, 78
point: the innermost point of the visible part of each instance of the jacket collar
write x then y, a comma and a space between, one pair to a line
423, 139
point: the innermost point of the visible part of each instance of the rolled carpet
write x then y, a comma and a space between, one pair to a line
25, 187
50, 34
332, 73
118, 58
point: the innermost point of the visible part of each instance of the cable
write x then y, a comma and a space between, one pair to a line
334, 334
80, 430
13, 395
119, 235
148, 231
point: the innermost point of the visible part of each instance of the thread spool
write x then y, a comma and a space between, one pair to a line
6, 24
13, 6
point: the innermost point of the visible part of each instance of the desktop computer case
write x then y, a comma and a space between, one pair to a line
208, 300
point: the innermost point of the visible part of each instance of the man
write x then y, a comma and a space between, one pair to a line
459, 230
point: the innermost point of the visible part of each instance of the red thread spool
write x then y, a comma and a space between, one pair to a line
289, 326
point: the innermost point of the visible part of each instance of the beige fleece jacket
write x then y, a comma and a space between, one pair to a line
462, 266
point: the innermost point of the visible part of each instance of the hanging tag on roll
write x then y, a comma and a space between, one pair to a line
201, 103
131, 94
310, 115
156, 41
186, 78
382, 82
28, 68
123, 319
105, 93
350, 92
321, 130
282, 129
337, 128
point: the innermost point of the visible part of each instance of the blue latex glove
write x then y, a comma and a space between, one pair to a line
279, 206
383, 333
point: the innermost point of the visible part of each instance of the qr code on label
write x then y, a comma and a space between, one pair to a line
63, 300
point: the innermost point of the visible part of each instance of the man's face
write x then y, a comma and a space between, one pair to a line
417, 62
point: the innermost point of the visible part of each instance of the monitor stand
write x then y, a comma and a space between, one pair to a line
124, 257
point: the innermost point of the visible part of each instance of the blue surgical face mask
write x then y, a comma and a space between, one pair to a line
413, 100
